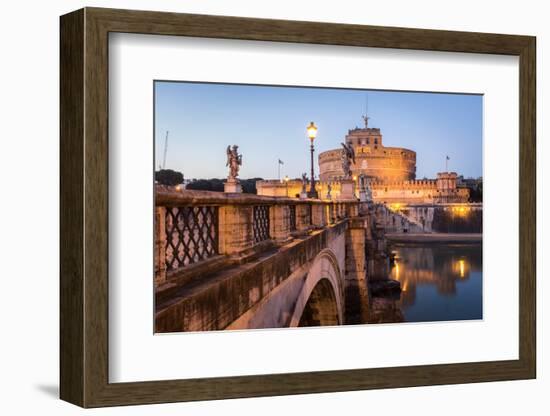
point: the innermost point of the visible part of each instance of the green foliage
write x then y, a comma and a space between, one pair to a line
206, 185
476, 193
168, 177
216, 185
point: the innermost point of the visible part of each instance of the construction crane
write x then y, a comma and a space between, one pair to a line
165, 150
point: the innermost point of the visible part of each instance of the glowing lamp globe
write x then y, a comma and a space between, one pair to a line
312, 131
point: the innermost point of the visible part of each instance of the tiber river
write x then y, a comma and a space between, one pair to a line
440, 282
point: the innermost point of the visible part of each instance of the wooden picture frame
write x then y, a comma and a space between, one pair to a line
84, 207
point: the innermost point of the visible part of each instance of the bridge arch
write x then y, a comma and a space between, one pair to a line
320, 301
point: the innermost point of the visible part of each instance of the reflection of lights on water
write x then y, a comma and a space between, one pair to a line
461, 267
398, 275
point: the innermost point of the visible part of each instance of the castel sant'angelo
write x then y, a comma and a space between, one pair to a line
389, 171
372, 158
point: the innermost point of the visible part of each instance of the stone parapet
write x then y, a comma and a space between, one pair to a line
192, 227
235, 228
160, 245
280, 223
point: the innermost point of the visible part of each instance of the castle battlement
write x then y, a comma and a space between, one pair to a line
417, 183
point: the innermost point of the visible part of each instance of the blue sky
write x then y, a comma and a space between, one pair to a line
269, 123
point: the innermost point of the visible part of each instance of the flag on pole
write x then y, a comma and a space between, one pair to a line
448, 158
281, 162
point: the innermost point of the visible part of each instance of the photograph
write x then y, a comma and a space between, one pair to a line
296, 206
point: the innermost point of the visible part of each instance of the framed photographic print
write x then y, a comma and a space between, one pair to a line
255, 207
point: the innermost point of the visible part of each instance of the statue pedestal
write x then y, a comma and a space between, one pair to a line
303, 195
362, 196
232, 187
347, 190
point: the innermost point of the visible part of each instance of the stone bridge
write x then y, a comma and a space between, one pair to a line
236, 261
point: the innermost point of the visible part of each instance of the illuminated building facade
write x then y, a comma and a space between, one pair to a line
390, 172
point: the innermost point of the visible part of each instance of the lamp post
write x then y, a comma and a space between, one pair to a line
312, 133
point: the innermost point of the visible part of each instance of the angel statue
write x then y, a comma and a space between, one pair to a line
348, 157
368, 192
234, 161
365, 193
304, 183
362, 182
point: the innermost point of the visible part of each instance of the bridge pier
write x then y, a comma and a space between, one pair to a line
356, 297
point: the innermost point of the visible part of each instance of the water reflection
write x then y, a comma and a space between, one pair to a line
438, 282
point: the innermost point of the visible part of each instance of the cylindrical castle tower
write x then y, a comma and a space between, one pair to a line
372, 158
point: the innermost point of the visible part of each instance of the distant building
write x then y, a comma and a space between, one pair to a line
444, 189
390, 172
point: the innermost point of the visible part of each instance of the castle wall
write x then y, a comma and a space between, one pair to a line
419, 192
396, 192
446, 218
293, 188
387, 164
429, 218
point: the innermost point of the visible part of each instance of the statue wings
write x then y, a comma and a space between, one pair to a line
350, 152
228, 152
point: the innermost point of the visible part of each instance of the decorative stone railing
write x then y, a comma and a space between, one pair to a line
198, 229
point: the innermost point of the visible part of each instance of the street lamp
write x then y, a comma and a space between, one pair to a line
312, 133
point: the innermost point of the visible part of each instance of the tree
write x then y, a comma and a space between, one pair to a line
476, 192
216, 185
206, 185
249, 185
168, 177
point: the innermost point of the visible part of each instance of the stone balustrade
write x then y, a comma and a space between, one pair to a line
195, 230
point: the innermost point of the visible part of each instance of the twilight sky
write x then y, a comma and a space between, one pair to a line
269, 123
